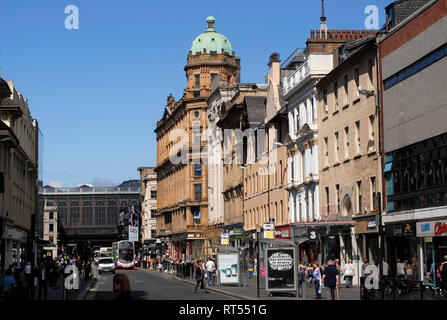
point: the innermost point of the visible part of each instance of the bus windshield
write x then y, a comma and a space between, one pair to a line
126, 251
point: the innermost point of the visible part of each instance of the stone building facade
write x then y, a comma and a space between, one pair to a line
182, 175
349, 155
18, 166
148, 199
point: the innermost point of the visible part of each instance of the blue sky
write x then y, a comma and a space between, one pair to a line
97, 92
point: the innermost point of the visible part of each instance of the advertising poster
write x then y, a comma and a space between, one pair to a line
281, 269
134, 219
228, 268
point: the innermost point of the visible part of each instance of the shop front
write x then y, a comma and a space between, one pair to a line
432, 237
402, 248
367, 240
15, 245
308, 239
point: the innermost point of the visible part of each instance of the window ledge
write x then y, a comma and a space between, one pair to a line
346, 160
372, 152
325, 168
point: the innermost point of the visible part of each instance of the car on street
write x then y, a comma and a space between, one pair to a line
106, 265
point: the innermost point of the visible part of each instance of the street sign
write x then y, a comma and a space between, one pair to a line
269, 231
225, 239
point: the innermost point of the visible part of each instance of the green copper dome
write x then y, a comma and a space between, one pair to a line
211, 40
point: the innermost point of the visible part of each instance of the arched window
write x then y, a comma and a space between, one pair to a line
87, 216
50, 203
100, 213
74, 214
112, 214
62, 212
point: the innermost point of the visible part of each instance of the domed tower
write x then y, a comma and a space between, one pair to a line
211, 59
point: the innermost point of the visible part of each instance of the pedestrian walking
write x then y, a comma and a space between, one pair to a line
301, 274
349, 273
340, 270
250, 269
331, 278
121, 287
210, 268
9, 284
198, 270
43, 275
316, 278
309, 274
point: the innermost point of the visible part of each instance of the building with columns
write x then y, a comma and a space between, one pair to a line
182, 175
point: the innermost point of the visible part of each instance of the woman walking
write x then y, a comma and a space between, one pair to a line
316, 277
349, 273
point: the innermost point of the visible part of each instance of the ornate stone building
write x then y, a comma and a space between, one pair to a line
182, 175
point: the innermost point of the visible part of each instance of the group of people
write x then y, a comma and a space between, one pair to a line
205, 271
20, 281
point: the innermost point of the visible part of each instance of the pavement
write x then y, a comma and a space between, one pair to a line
248, 289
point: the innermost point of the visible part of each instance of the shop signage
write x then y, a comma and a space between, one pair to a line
400, 230
281, 267
15, 234
282, 232
372, 225
432, 228
237, 233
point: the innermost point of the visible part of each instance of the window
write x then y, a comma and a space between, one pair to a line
326, 154
153, 194
359, 196
198, 192
112, 213
153, 213
196, 214
370, 72
100, 213
346, 142
373, 193
197, 169
197, 80
357, 137
51, 239
336, 94
346, 87
51, 215
87, 214
327, 200
337, 149
50, 227
337, 196
371, 133
326, 109
74, 214
196, 134
62, 210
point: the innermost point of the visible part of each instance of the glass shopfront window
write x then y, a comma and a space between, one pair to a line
428, 260
403, 258
416, 175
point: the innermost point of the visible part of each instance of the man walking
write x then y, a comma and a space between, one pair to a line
198, 270
210, 267
43, 281
331, 277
